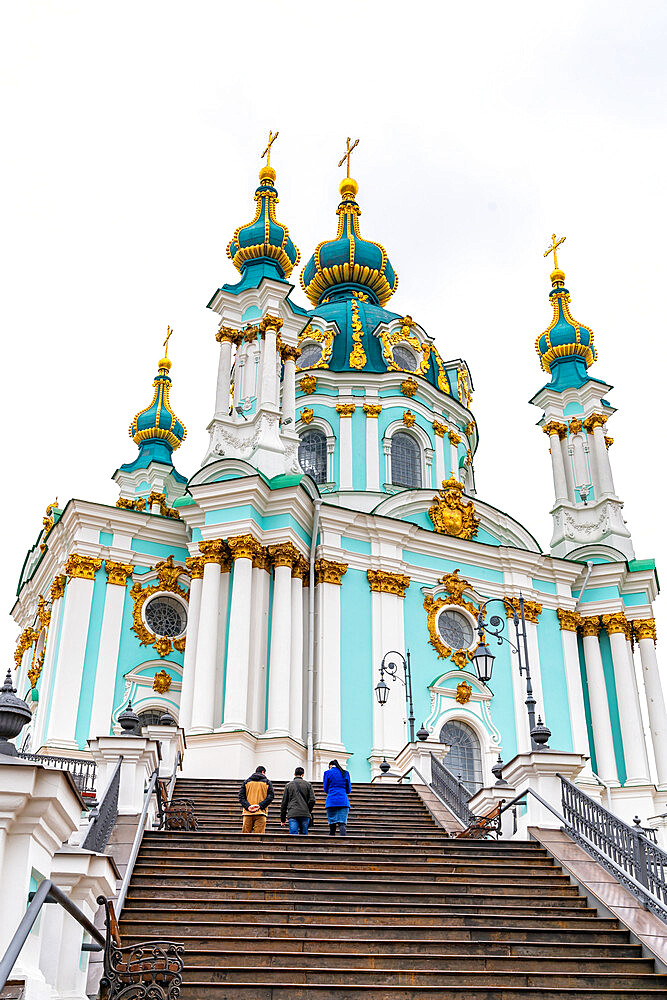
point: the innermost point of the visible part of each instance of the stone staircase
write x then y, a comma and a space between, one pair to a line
395, 910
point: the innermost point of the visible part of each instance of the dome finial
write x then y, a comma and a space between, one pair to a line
348, 187
165, 362
157, 427
267, 172
556, 274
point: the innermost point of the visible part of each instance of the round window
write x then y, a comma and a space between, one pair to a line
166, 616
405, 359
310, 355
455, 629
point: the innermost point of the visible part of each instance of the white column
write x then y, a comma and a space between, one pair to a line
454, 440
224, 373
567, 465
632, 729
268, 388
57, 591
281, 641
195, 566
69, 668
107, 657
258, 642
390, 726
440, 473
655, 698
345, 411
372, 411
605, 480
575, 696
238, 637
289, 385
203, 700
296, 666
328, 695
556, 433
597, 695
223, 604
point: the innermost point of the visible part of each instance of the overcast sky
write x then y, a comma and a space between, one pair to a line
132, 134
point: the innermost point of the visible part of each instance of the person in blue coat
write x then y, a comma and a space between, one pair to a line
337, 786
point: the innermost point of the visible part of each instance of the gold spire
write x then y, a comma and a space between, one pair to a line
348, 187
552, 249
267, 173
267, 151
165, 362
348, 153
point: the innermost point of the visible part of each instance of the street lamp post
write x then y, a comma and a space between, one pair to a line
483, 659
382, 688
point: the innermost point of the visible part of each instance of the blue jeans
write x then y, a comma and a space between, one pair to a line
299, 825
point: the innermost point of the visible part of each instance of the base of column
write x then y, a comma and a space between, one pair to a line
57, 746
235, 754
637, 782
198, 731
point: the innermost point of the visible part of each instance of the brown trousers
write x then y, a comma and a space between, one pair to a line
254, 823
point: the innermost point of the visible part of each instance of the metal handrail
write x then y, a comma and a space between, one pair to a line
455, 794
46, 893
104, 815
430, 788
83, 771
172, 781
152, 789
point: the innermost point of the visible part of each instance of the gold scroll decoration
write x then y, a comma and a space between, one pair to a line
455, 586
450, 515
168, 575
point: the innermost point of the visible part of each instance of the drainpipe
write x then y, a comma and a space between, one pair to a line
311, 640
589, 570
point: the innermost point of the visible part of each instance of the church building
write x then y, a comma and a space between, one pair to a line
334, 520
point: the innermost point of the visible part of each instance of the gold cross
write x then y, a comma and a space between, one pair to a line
267, 151
166, 340
348, 153
554, 246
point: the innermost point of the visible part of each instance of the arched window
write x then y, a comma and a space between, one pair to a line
313, 455
465, 756
406, 466
151, 717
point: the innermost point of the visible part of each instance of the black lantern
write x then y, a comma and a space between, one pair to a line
483, 659
540, 735
129, 722
382, 691
14, 714
385, 766
423, 733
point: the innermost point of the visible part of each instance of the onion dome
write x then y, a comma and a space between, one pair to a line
566, 348
157, 429
264, 239
349, 263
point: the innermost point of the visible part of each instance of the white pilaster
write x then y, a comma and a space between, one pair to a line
203, 701
258, 645
390, 729
281, 648
107, 657
296, 665
632, 730
606, 482
440, 472
224, 378
196, 568
597, 694
372, 450
47, 669
575, 697
567, 465
238, 638
289, 387
454, 458
556, 433
268, 392
345, 447
328, 694
656, 702
69, 668
223, 604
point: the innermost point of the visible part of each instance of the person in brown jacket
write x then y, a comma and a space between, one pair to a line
255, 795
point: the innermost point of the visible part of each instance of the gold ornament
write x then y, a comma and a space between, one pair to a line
325, 338
439, 429
23, 643
531, 609
345, 409
404, 335
463, 692
270, 323
162, 682
161, 499
43, 611
327, 571
595, 420
443, 381
214, 550
127, 503
118, 572
168, 575
357, 354
450, 516
307, 415
554, 427
644, 628
608, 442
49, 520
409, 387
82, 567
575, 425
230, 334
261, 559
195, 567
243, 546
58, 587
289, 353
36, 669
384, 582
569, 620
454, 438
465, 392
455, 586
284, 554
372, 409
616, 622
590, 626
409, 418
470, 428
308, 384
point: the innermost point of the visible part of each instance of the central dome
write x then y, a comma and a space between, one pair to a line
349, 263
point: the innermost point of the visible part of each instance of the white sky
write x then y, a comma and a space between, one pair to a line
131, 139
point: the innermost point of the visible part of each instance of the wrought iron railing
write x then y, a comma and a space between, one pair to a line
618, 847
83, 771
104, 815
452, 791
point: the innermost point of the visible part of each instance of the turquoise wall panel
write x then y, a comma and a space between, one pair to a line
106, 537
485, 536
81, 732
612, 698
545, 586
230, 514
554, 687
587, 702
158, 549
445, 566
597, 594
356, 672
572, 408
420, 518
355, 545
632, 600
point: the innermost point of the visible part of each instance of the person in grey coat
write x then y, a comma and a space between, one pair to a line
297, 804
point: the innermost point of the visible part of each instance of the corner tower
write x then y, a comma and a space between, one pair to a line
587, 514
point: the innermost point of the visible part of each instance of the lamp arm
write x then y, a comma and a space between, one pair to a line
495, 626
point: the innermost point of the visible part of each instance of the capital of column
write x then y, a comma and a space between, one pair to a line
454, 437
608, 442
230, 334
344, 409
289, 353
569, 621
308, 384
554, 427
284, 554
261, 559
595, 420
590, 626
439, 429
644, 628
383, 582
327, 571
301, 570
118, 572
372, 410
58, 587
195, 567
270, 323
244, 546
82, 567
617, 623
214, 550
531, 609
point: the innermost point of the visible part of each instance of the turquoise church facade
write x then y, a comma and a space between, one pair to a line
335, 519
